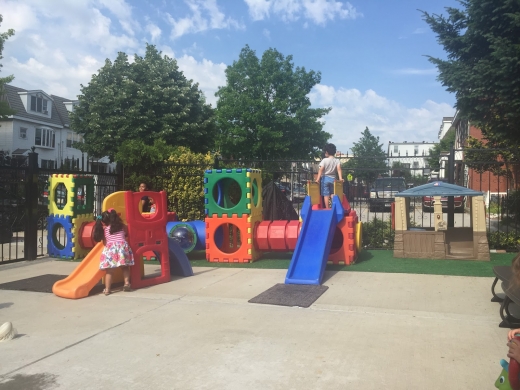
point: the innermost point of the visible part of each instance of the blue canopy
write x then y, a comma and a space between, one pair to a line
439, 188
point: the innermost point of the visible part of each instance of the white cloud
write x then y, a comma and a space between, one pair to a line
317, 11
353, 110
321, 11
266, 33
415, 71
258, 9
123, 12
154, 30
420, 30
76, 38
205, 15
208, 74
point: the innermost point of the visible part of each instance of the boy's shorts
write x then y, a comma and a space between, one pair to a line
327, 186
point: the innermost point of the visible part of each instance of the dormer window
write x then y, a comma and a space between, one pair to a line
39, 104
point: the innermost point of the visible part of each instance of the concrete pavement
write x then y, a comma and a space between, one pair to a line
368, 331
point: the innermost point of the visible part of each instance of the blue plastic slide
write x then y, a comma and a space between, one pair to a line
179, 263
314, 242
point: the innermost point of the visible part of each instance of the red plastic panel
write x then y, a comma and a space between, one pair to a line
292, 231
86, 233
277, 235
260, 237
147, 234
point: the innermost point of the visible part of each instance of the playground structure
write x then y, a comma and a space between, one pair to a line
235, 231
147, 234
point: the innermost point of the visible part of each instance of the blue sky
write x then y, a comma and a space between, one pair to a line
371, 53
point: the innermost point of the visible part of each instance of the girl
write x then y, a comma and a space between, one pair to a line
117, 252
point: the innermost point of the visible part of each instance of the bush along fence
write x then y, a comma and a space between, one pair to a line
23, 189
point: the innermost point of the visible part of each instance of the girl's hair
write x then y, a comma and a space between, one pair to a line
515, 266
107, 218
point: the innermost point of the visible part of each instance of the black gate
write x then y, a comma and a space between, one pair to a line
24, 191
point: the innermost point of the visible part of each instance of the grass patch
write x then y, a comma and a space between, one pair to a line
380, 261
370, 261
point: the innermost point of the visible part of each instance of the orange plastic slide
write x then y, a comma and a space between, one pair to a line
86, 275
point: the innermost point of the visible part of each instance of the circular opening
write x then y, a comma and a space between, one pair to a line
254, 192
227, 193
337, 241
185, 236
59, 236
227, 238
60, 196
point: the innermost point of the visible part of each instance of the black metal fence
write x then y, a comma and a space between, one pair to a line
398, 172
24, 191
370, 191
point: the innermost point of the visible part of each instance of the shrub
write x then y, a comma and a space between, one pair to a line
184, 185
511, 205
502, 240
378, 234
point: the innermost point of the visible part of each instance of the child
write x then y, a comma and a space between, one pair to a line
146, 201
117, 252
328, 167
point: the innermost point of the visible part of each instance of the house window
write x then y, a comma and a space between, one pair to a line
45, 137
416, 149
39, 104
396, 149
416, 164
73, 138
23, 133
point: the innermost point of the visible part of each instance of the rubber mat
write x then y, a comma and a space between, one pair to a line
44, 283
301, 295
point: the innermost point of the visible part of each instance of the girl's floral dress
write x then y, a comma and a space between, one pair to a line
117, 252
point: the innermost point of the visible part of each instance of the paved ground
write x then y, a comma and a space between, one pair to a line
368, 331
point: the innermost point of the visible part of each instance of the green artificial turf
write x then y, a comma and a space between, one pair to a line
371, 261
378, 261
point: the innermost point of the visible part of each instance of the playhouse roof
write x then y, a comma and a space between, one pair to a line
439, 188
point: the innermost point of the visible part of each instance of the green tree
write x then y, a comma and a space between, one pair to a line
4, 107
145, 100
264, 110
369, 160
444, 145
482, 42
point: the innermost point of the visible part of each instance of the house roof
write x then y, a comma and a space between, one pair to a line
58, 111
439, 188
62, 110
19, 151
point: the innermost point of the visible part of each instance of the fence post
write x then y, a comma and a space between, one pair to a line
215, 162
30, 244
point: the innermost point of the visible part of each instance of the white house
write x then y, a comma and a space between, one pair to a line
445, 126
411, 155
42, 120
